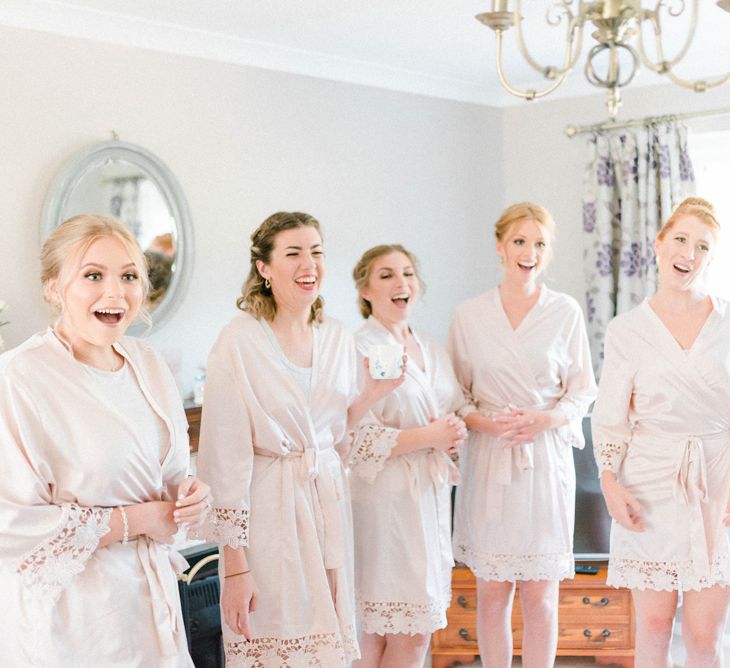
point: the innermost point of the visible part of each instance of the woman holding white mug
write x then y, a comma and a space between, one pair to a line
403, 474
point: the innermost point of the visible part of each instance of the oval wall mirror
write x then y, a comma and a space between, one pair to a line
129, 183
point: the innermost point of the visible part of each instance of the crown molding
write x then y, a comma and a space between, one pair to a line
53, 16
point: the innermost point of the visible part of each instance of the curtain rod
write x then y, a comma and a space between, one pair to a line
573, 130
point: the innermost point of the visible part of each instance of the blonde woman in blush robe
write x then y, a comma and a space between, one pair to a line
661, 433
402, 474
280, 392
521, 354
93, 441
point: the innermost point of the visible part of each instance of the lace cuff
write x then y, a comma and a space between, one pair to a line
609, 456
225, 526
49, 568
572, 434
373, 447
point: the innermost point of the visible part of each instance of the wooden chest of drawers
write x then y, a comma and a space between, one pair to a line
593, 620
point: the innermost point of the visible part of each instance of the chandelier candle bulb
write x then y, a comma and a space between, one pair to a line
500, 5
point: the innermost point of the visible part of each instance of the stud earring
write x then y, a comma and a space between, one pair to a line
267, 283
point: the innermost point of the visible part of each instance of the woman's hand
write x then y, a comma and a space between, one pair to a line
156, 520
522, 426
448, 433
193, 502
238, 601
376, 389
621, 504
372, 392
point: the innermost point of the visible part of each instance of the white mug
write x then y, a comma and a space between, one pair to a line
386, 361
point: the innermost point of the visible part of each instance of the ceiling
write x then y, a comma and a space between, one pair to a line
430, 47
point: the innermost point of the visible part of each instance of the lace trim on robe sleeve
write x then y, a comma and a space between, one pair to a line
609, 456
225, 526
49, 568
374, 445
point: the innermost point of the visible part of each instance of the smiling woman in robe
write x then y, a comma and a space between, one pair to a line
402, 474
521, 354
93, 441
661, 433
281, 391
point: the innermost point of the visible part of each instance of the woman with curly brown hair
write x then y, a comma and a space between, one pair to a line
280, 394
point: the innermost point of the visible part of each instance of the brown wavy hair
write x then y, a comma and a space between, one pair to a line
363, 269
256, 298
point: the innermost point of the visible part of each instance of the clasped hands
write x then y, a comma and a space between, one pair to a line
517, 426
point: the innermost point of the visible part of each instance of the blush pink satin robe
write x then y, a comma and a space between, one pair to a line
515, 507
68, 457
268, 450
662, 424
402, 505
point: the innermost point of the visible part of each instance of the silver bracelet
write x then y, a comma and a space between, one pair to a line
125, 521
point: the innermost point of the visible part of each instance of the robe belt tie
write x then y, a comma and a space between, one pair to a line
507, 458
441, 471
690, 488
156, 560
323, 469
690, 477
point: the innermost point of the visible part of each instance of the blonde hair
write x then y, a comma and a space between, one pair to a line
363, 269
256, 298
692, 206
524, 211
72, 238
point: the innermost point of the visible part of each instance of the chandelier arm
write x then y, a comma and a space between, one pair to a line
528, 94
571, 57
699, 85
663, 66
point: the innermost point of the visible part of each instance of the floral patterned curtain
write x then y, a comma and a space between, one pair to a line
633, 179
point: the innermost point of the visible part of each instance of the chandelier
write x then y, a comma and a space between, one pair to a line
613, 61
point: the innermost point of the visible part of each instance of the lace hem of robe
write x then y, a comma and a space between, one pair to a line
323, 650
374, 446
515, 567
398, 617
609, 456
225, 526
667, 575
51, 566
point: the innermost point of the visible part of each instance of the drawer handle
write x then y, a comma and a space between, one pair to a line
464, 635
600, 604
464, 603
604, 634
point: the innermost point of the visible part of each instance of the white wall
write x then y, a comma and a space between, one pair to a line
543, 165
374, 166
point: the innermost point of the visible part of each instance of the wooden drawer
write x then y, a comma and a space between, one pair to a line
589, 605
461, 633
464, 599
595, 604
586, 636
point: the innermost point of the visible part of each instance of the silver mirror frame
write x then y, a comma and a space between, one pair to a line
74, 170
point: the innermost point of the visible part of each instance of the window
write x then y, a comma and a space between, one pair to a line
710, 152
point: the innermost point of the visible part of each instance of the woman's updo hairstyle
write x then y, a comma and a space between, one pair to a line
524, 211
692, 206
256, 298
71, 239
363, 269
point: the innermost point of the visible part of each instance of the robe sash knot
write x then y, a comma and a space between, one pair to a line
322, 468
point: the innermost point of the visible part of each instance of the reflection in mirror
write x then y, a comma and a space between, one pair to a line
130, 184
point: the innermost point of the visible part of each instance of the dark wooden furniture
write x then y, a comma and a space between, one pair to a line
593, 620
193, 413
